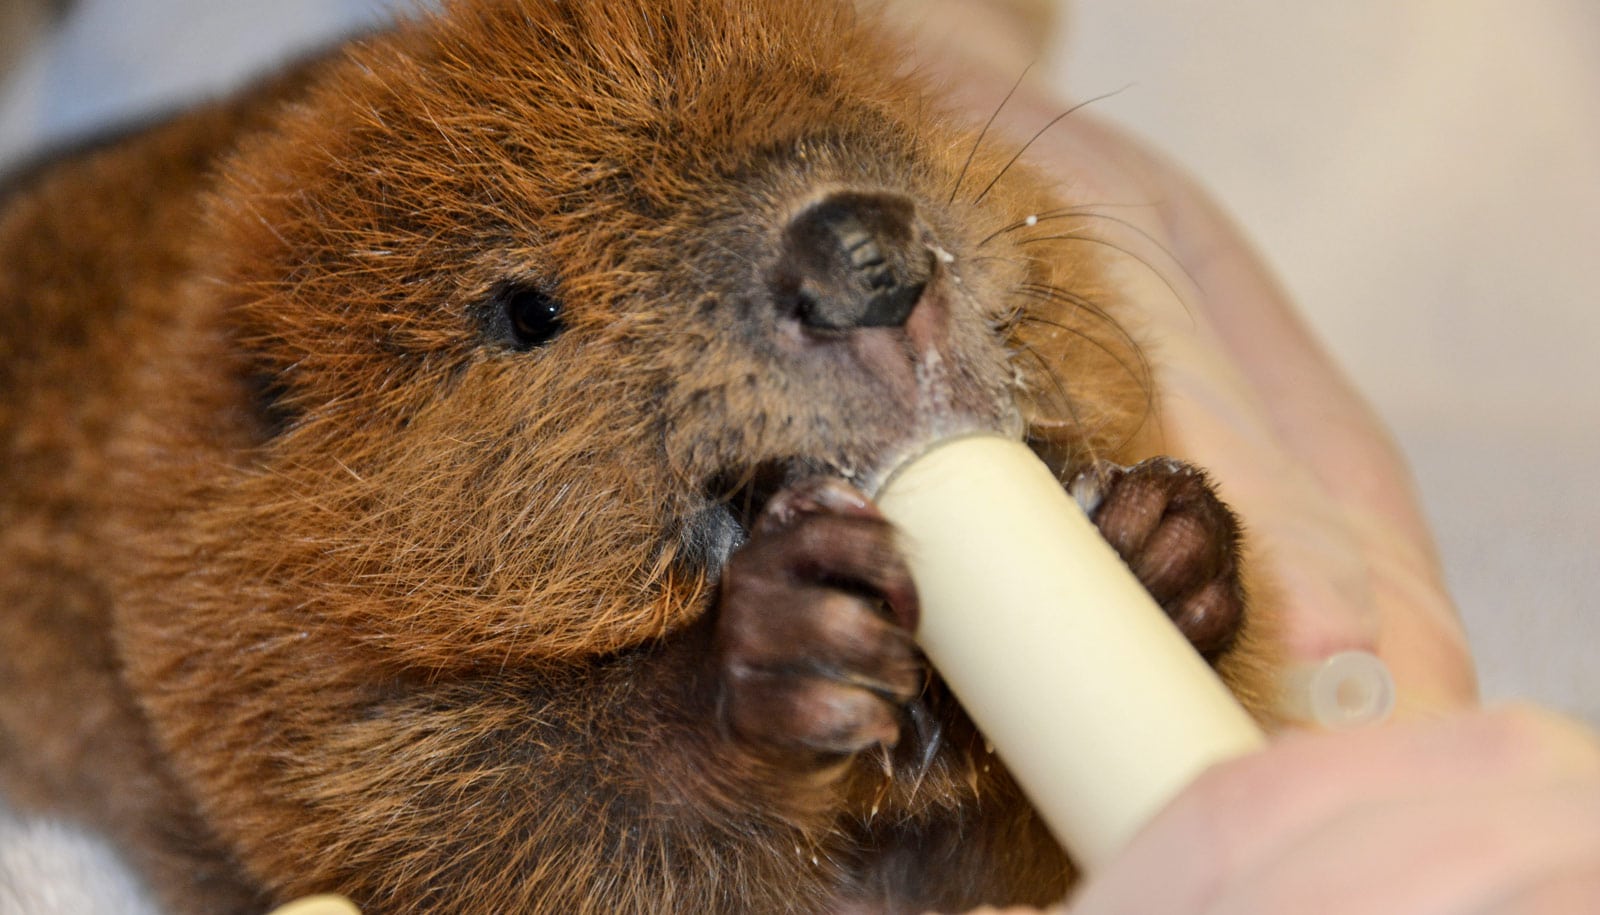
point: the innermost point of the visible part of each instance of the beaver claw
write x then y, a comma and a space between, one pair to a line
1166, 522
808, 657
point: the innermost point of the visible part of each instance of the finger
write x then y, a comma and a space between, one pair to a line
1438, 853
1308, 779
1559, 891
1242, 814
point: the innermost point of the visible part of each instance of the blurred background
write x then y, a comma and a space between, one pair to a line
1424, 175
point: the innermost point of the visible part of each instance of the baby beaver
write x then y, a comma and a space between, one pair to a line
438, 475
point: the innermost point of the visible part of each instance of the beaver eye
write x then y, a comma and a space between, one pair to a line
532, 316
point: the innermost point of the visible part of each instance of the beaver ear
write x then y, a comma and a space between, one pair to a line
523, 315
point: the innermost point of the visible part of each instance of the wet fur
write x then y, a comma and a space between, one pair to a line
312, 581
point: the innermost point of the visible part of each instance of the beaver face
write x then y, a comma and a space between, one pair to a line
547, 295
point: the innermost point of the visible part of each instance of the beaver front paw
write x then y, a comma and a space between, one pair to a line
813, 640
1181, 541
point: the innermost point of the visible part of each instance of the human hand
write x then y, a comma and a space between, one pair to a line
1481, 811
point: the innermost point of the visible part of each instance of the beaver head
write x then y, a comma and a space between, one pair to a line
517, 312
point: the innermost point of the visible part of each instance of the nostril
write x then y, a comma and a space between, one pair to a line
853, 259
893, 305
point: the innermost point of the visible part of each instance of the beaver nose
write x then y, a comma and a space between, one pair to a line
853, 260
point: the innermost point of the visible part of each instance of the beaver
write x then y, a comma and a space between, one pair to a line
438, 474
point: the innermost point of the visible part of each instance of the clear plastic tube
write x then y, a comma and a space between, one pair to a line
1346, 690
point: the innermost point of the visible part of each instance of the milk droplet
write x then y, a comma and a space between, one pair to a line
1032, 220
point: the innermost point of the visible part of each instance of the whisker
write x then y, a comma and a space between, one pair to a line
1023, 223
1138, 371
1062, 397
1045, 216
1051, 123
1049, 292
1082, 212
1077, 209
1095, 240
1085, 434
1057, 382
985, 132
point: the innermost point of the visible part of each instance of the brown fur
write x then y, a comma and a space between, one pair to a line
311, 584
